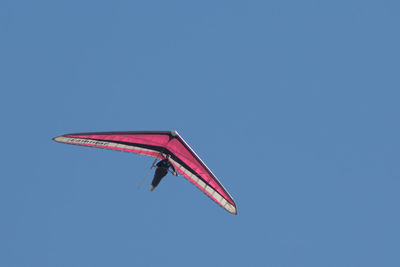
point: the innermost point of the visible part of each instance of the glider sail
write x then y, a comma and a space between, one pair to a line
160, 144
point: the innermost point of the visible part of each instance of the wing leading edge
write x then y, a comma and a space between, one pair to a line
159, 144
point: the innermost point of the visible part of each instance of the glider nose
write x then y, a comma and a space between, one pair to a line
152, 187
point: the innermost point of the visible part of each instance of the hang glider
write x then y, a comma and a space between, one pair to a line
160, 144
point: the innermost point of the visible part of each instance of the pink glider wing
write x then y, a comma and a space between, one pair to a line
159, 144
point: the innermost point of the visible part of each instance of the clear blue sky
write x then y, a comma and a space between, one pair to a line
294, 105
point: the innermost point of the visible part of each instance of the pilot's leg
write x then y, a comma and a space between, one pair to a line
158, 175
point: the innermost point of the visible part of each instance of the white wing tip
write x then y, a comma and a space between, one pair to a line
231, 209
59, 139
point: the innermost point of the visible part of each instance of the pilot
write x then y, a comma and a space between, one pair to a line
161, 170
